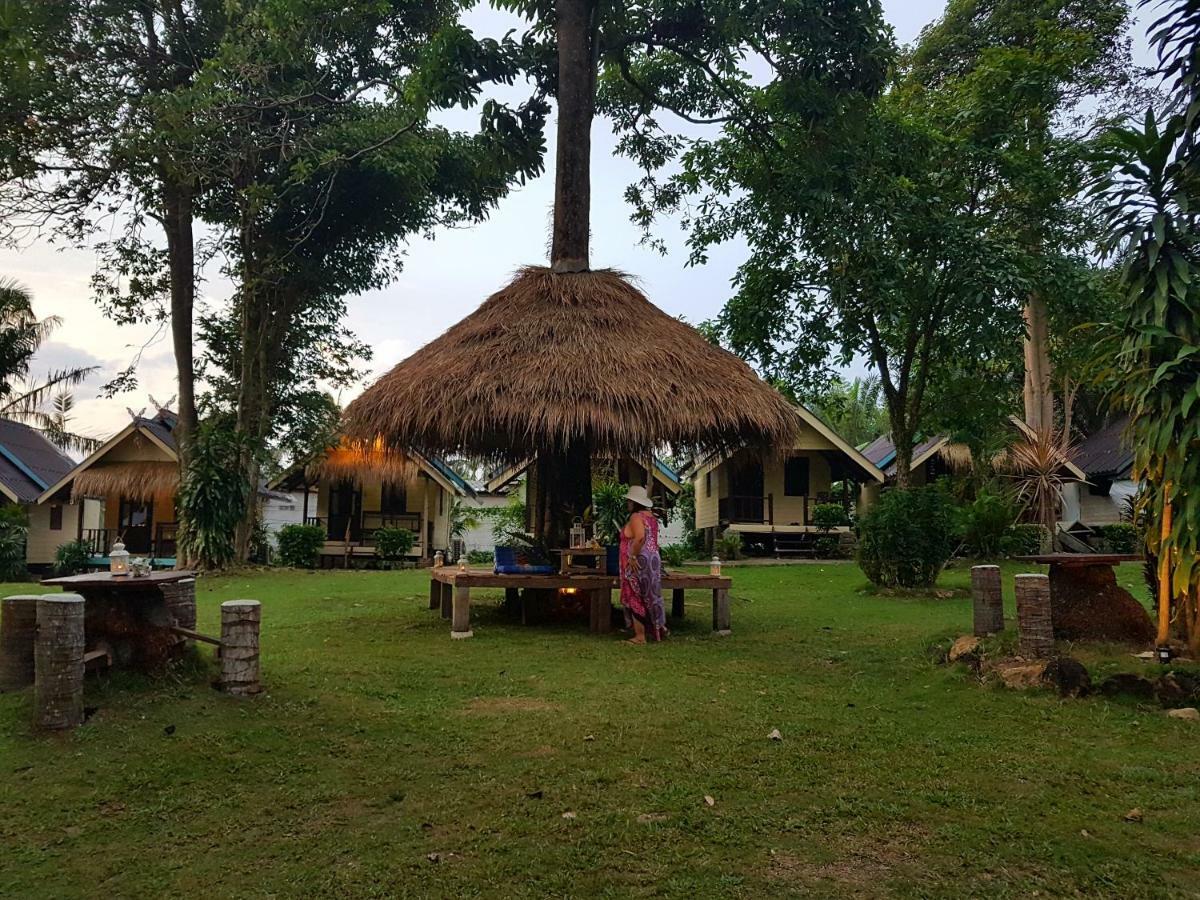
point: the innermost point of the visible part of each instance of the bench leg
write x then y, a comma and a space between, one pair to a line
447, 599
435, 594
676, 603
600, 620
460, 624
721, 611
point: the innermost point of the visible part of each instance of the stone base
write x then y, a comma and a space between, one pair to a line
723, 632
461, 635
1088, 604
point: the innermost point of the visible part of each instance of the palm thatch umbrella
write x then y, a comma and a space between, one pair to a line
566, 362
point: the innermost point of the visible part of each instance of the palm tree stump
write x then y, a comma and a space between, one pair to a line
18, 633
1088, 604
1034, 623
240, 624
58, 661
987, 600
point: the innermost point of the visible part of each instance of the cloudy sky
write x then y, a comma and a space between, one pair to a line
444, 279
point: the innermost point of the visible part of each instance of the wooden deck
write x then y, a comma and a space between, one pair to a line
450, 591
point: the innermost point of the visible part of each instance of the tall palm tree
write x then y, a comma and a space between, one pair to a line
24, 398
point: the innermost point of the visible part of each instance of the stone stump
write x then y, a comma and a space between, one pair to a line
1035, 626
18, 632
240, 623
987, 600
58, 661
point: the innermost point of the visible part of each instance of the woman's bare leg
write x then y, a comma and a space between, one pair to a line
639, 633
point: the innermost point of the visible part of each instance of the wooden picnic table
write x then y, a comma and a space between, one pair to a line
450, 591
133, 616
1086, 603
598, 555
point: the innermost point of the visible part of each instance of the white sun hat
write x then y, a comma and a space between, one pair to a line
638, 495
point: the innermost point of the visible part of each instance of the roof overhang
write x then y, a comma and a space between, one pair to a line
102, 451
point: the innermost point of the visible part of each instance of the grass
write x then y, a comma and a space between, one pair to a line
382, 746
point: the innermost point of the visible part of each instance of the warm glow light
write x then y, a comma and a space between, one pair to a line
568, 590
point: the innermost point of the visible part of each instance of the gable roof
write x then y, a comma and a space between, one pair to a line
1106, 454
29, 463
882, 452
664, 474
159, 430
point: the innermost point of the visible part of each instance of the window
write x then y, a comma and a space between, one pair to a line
795, 477
708, 484
393, 499
56, 518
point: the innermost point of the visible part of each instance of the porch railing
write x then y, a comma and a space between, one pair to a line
759, 510
363, 526
100, 540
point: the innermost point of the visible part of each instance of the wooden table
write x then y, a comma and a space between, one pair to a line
133, 617
598, 566
1086, 603
450, 591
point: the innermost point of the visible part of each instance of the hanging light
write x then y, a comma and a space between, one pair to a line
118, 559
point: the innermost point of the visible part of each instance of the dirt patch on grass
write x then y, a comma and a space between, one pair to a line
863, 863
498, 706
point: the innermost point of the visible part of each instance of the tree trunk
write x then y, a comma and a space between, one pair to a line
564, 491
1039, 390
576, 107
902, 438
178, 205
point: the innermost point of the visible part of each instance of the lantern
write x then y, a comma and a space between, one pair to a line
714, 567
118, 559
1163, 654
439, 559
578, 534
462, 562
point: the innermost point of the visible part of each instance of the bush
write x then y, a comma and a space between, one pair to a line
480, 557
729, 545
828, 546
1122, 537
71, 558
14, 529
828, 516
508, 522
300, 545
213, 494
1024, 539
675, 554
907, 537
393, 543
984, 523
608, 510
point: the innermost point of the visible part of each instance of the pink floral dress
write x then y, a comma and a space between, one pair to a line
641, 593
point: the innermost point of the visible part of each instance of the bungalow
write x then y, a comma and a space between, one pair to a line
29, 464
132, 479
1101, 494
931, 459
770, 498
351, 495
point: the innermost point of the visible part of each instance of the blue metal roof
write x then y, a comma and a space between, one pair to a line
668, 471
450, 475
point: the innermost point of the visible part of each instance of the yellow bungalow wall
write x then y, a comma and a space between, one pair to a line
416, 491
42, 541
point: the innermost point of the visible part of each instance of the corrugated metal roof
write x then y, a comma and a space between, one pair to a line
29, 463
1106, 454
882, 452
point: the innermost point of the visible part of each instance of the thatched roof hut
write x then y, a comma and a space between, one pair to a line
553, 361
135, 480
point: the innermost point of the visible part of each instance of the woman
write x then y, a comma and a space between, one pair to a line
641, 570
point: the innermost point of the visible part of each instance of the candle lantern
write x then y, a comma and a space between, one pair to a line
714, 567
578, 534
439, 559
1163, 654
118, 559
462, 562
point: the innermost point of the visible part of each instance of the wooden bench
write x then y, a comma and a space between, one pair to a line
450, 591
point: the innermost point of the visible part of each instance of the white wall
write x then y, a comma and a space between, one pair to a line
277, 513
480, 537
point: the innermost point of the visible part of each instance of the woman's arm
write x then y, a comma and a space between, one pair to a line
637, 535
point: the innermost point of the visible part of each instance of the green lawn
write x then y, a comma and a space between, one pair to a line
380, 742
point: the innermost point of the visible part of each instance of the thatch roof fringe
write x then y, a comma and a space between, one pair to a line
143, 480
554, 359
359, 462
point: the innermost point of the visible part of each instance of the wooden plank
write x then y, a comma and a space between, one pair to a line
447, 599
435, 593
194, 635
481, 579
108, 581
720, 601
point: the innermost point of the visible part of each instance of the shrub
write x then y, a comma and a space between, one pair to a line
1024, 539
608, 510
213, 494
300, 545
907, 537
828, 546
14, 529
984, 523
675, 554
71, 558
393, 543
1122, 537
828, 516
480, 557
508, 522
729, 545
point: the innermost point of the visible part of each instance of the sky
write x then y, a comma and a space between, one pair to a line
444, 278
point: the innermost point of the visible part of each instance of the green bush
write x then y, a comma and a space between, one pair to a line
608, 510
508, 522
480, 557
14, 529
675, 554
300, 545
729, 545
1121, 537
1024, 539
393, 543
984, 523
828, 546
907, 537
828, 516
213, 494
71, 558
